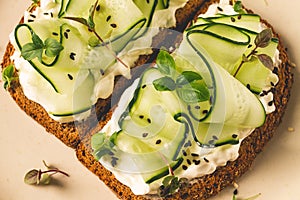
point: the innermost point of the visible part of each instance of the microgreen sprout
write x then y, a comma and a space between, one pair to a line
90, 24
235, 193
8, 76
39, 177
262, 40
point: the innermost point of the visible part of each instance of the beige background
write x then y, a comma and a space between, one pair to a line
24, 144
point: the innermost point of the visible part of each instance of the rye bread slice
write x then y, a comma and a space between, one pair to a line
199, 188
208, 185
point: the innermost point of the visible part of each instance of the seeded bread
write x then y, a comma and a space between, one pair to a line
208, 185
199, 188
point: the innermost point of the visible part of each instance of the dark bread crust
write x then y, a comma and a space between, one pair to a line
200, 188
209, 185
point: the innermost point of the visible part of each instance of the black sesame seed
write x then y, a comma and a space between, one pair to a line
113, 25
220, 9
108, 18
197, 162
272, 84
145, 134
32, 15
141, 116
184, 167
189, 161
215, 137
232, 19
102, 72
195, 155
148, 1
149, 120
197, 107
98, 8
51, 14
55, 34
239, 17
188, 144
206, 160
46, 13
248, 86
144, 86
70, 76
68, 30
158, 141
275, 70
184, 153
72, 56
30, 20
211, 142
270, 103
205, 112
234, 136
249, 46
66, 35
235, 192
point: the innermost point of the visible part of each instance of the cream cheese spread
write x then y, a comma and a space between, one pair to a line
210, 158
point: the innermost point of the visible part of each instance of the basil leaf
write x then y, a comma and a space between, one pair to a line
238, 7
194, 92
164, 84
98, 140
187, 77
37, 41
30, 51
53, 47
8, 76
165, 63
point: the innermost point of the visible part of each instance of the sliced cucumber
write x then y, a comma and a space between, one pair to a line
247, 21
57, 75
233, 103
223, 49
256, 76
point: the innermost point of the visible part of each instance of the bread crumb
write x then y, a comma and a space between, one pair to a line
291, 129
235, 185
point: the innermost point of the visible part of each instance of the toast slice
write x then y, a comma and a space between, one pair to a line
200, 187
211, 184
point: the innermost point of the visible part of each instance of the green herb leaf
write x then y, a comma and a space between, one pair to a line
167, 180
194, 92
32, 177
266, 60
8, 76
164, 84
53, 47
36, 1
93, 41
45, 179
263, 38
102, 145
188, 77
165, 62
98, 140
238, 7
30, 51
